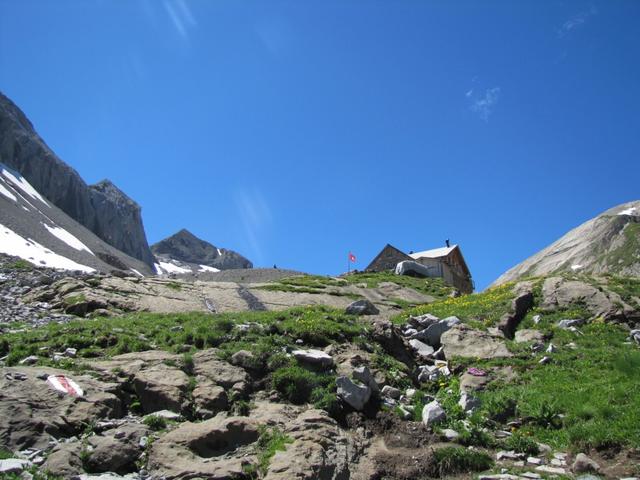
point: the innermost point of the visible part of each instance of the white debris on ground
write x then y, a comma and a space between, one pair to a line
68, 238
13, 244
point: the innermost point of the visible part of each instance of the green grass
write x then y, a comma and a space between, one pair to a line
271, 441
110, 336
480, 309
75, 299
596, 387
453, 460
174, 286
434, 287
628, 253
155, 423
4, 454
21, 265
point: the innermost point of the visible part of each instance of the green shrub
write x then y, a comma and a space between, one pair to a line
453, 460
296, 383
154, 422
521, 443
4, 454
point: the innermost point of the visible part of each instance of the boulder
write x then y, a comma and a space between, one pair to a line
14, 465
470, 383
432, 334
31, 411
529, 335
391, 392
364, 375
313, 357
64, 460
244, 359
116, 451
209, 399
464, 341
409, 267
319, 450
433, 413
353, 394
583, 464
468, 402
219, 448
568, 323
519, 308
389, 337
421, 348
161, 387
208, 364
362, 307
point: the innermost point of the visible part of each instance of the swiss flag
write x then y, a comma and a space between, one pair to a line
352, 257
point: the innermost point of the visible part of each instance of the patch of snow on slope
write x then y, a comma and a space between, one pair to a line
158, 269
576, 267
171, 268
629, 211
219, 251
13, 244
20, 182
67, 238
206, 268
137, 272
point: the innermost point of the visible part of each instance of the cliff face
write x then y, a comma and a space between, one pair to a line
101, 208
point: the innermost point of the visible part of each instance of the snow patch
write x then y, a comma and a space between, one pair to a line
206, 268
158, 269
629, 211
137, 272
576, 267
19, 181
67, 238
13, 244
171, 268
219, 252
7, 193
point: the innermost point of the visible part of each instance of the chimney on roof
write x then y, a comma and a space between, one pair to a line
447, 242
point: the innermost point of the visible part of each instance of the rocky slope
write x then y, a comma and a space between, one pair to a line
101, 208
522, 381
183, 252
608, 243
34, 229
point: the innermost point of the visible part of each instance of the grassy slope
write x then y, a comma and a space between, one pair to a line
587, 397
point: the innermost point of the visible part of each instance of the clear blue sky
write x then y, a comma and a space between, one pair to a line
295, 131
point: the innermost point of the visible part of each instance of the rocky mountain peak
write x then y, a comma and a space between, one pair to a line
113, 193
608, 243
185, 247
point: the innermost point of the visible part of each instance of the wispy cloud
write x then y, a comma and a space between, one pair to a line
577, 21
181, 17
256, 217
484, 103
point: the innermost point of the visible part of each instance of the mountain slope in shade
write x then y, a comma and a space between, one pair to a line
183, 252
608, 243
34, 229
101, 208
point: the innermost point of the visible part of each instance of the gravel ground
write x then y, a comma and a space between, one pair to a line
245, 275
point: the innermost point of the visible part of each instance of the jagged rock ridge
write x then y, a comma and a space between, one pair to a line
608, 243
188, 252
101, 208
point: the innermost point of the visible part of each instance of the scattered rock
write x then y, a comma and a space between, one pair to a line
529, 335
353, 394
314, 357
389, 391
468, 403
421, 348
433, 413
551, 470
566, 324
450, 435
433, 333
583, 464
14, 465
244, 359
464, 341
362, 307
519, 308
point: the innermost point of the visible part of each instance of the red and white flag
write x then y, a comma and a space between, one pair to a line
352, 257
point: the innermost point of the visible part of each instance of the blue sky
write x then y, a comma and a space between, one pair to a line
295, 131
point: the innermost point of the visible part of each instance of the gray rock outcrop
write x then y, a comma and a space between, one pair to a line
185, 247
102, 208
607, 243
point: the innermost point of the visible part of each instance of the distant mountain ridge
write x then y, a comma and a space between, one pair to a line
608, 243
102, 208
184, 251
